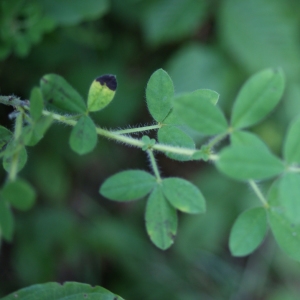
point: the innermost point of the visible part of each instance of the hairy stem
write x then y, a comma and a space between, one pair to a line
15, 157
217, 139
137, 129
258, 193
154, 165
117, 135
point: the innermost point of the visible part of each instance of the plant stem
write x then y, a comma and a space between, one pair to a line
137, 129
15, 157
154, 165
13, 101
117, 135
123, 138
258, 193
217, 139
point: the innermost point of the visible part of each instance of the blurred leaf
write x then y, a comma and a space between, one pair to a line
83, 138
245, 163
286, 233
71, 12
58, 93
36, 103
56, 291
173, 136
289, 193
198, 112
159, 94
5, 136
197, 66
47, 165
248, 231
291, 148
19, 194
6, 221
183, 195
161, 220
168, 20
257, 97
259, 34
128, 185
22, 159
208, 94
248, 139
33, 133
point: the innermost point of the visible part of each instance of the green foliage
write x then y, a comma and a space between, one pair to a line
19, 155
198, 112
291, 149
171, 135
71, 12
167, 21
225, 149
128, 185
59, 94
289, 193
259, 95
19, 194
286, 233
161, 219
248, 231
83, 138
22, 25
55, 291
159, 94
183, 195
36, 104
244, 163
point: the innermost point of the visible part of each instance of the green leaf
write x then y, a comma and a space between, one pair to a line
197, 65
291, 149
207, 94
159, 94
59, 94
128, 185
258, 96
173, 136
259, 34
36, 103
56, 291
5, 136
72, 12
289, 192
245, 163
83, 138
34, 132
6, 220
19, 194
148, 143
183, 195
247, 139
248, 231
22, 159
198, 112
161, 220
286, 233
172, 20
101, 92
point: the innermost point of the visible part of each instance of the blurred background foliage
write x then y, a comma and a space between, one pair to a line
73, 233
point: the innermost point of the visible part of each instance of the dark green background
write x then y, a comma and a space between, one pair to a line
73, 233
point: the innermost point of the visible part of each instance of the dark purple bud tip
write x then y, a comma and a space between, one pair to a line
109, 80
